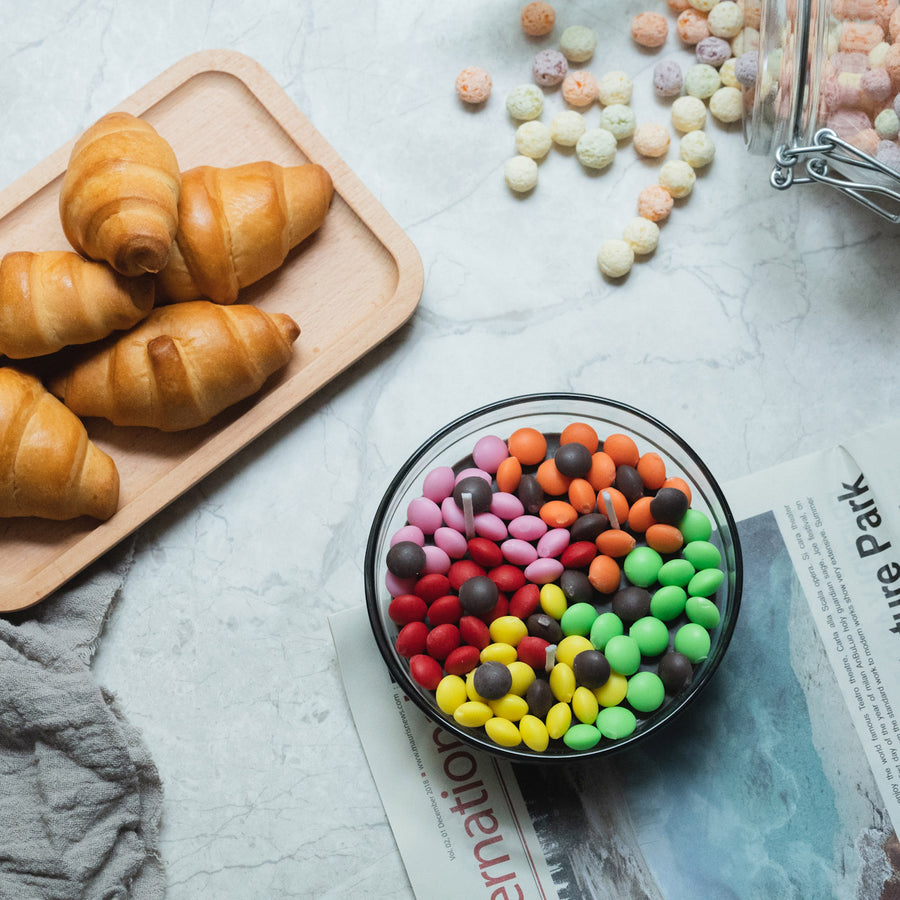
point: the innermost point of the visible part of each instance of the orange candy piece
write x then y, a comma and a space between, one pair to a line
551, 479
582, 496
580, 433
619, 505
639, 517
528, 445
602, 472
652, 470
615, 543
558, 513
623, 450
664, 538
681, 485
604, 574
509, 474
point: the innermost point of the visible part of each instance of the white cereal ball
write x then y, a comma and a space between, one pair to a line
525, 102
521, 173
614, 87
615, 258
578, 43
727, 105
533, 139
651, 140
641, 235
702, 80
619, 120
596, 148
744, 41
725, 19
678, 178
697, 149
887, 124
566, 127
688, 114
726, 73
877, 55
703, 5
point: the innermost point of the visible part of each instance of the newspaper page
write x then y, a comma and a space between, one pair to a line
781, 780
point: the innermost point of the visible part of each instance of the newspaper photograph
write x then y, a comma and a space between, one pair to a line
781, 780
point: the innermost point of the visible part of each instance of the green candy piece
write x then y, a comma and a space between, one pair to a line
693, 641
702, 555
623, 654
616, 722
642, 566
651, 635
607, 625
667, 603
676, 571
582, 737
578, 619
703, 611
646, 691
705, 583
695, 526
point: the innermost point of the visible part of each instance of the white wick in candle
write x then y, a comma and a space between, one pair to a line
550, 661
469, 514
610, 510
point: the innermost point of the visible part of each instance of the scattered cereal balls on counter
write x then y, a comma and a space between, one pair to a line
642, 235
615, 258
596, 148
566, 127
579, 88
549, 68
678, 178
578, 43
651, 140
697, 149
692, 26
727, 105
520, 173
688, 114
654, 203
726, 19
525, 102
619, 120
473, 85
703, 6
713, 51
533, 139
667, 78
537, 19
614, 87
649, 29
701, 80
727, 73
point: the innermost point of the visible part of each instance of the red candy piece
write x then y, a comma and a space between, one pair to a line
533, 651
430, 587
441, 640
501, 608
525, 601
507, 577
474, 631
426, 671
485, 552
406, 608
411, 639
578, 555
445, 610
462, 570
462, 660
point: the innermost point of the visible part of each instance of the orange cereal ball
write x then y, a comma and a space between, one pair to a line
655, 203
538, 19
649, 29
473, 85
678, 6
579, 88
692, 26
651, 140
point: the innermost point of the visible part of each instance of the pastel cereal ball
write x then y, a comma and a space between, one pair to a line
579, 88
697, 149
688, 114
649, 29
703, 5
691, 26
615, 258
651, 140
549, 67
726, 19
525, 102
614, 87
578, 43
641, 235
566, 127
702, 80
619, 120
520, 173
727, 105
537, 19
654, 203
678, 178
473, 85
667, 78
533, 139
596, 148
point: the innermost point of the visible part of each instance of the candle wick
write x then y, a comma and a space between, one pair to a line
610, 510
468, 514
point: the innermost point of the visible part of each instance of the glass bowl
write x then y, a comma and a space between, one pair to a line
550, 413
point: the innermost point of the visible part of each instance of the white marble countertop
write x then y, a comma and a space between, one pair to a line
762, 328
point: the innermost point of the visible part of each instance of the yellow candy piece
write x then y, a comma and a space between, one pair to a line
503, 732
585, 705
508, 630
499, 652
553, 601
559, 718
562, 682
471, 693
522, 676
450, 693
509, 706
472, 713
534, 733
613, 692
569, 647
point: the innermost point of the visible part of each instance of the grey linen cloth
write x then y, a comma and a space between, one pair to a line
80, 798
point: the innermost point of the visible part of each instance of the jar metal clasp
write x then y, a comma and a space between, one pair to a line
826, 160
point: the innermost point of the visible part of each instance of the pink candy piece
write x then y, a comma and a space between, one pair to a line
490, 526
408, 533
425, 514
467, 473
489, 452
451, 541
397, 586
553, 542
518, 552
543, 571
528, 528
453, 515
439, 483
506, 506
436, 560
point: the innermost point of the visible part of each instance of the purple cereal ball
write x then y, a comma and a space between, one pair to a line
667, 78
897, 104
713, 51
746, 68
549, 68
876, 83
888, 153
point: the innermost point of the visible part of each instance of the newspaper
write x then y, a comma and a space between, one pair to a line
782, 779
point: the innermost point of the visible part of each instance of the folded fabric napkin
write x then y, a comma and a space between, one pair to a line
80, 798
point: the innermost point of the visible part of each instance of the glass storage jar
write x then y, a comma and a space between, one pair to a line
825, 101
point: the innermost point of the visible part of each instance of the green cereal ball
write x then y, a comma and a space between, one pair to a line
642, 566
524, 103
616, 722
702, 81
645, 691
668, 602
676, 571
702, 555
695, 526
887, 124
578, 619
705, 583
703, 612
596, 148
582, 737
624, 654
651, 634
607, 625
619, 120
577, 43
693, 641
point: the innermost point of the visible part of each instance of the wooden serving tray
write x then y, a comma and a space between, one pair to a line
349, 286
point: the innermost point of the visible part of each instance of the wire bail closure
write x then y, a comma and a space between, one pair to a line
816, 165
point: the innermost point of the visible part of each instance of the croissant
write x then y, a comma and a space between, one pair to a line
119, 196
179, 367
237, 225
48, 465
55, 298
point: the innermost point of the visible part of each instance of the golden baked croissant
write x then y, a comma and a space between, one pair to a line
55, 298
119, 196
237, 225
48, 465
179, 367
